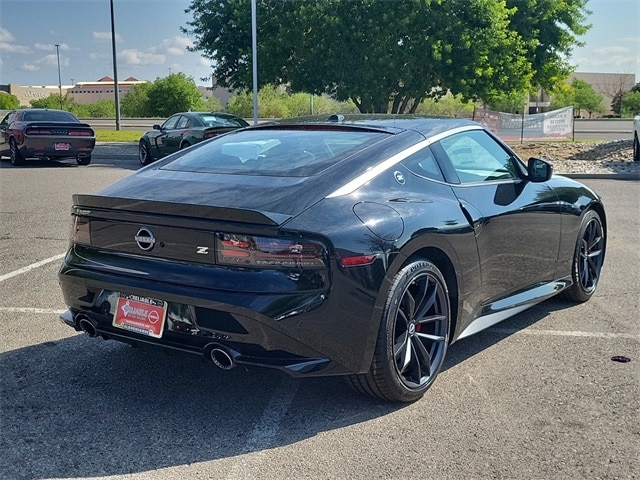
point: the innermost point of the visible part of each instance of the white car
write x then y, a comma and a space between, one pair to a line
636, 139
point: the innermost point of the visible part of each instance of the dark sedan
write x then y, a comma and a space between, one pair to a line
360, 248
182, 130
45, 133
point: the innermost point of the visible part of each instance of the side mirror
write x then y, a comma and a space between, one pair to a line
539, 170
156, 127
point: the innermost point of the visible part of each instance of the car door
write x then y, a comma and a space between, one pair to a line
517, 222
4, 136
164, 141
176, 135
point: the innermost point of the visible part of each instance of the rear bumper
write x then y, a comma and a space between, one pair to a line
302, 334
46, 147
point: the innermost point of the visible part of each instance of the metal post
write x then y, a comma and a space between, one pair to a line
59, 77
115, 69
254, 54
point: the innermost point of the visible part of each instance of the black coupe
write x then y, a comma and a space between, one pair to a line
182, 130
360, 248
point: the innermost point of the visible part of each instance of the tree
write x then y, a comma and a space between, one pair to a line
135, 103
631, 102
174, 93
586, 98
8, 102
549, 30
53, 101
383, 57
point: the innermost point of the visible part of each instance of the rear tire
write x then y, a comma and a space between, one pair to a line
16, 157
413, 336
144, 153
636, 148
588, 258
83, 160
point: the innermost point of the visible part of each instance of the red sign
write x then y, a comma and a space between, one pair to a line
140, 315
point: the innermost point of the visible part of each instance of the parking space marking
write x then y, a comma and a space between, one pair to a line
561, 333
48, 311
28, 268
261, 437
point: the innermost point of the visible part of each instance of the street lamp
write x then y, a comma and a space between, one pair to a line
59, 77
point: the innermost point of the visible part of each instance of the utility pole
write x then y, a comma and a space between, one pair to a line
59, 77
115, 69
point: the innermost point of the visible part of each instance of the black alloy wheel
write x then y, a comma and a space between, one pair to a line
144, 153
588, 259
16, 157
413, 336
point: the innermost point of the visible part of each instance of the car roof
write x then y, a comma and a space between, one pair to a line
427, 126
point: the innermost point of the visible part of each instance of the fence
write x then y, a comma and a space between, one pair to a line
555, 125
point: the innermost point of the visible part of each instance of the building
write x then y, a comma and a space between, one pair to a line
81, 92
91, 92
607, 84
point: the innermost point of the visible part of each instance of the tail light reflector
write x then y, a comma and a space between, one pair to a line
80, 133
80, 231
269, 252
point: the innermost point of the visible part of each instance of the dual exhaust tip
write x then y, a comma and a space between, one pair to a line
222, 357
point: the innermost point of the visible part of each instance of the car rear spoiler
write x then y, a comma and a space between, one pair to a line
200, 212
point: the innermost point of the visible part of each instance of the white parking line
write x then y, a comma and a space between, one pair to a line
47, 311
260, 439
28, 268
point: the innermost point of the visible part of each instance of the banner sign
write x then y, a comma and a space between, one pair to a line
555, 125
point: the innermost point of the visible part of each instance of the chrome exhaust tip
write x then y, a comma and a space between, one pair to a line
222, 358
87, 325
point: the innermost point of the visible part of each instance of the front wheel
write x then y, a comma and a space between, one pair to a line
413, 336
144, 153
588, 258
16, 157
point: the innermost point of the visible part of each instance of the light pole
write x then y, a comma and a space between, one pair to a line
254, 55
59, 77
115, 69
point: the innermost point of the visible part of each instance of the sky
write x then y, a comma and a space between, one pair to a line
149, 42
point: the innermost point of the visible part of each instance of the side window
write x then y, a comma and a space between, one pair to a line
183, 123
423, 164
476, 157
170, 124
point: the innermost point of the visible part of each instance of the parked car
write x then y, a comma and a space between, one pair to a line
636, 139
45, 133
360, 248
182, 130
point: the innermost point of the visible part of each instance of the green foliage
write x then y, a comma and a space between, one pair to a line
8, 102
275, 102
446, 106
213, 104
53, 101
586, 98
100, 109
390, 56
631, 103
174, 93
509, 102
135, 103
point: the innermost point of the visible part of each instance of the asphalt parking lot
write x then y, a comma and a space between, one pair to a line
536, 397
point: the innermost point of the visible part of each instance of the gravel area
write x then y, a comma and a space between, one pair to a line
582, 158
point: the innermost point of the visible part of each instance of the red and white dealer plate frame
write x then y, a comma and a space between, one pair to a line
142, 315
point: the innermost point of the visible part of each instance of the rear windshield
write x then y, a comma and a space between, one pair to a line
211, 120
49, 116
274, 152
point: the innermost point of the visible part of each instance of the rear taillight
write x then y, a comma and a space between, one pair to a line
39, 131
80, 231
210, 135
80, 133
269, 252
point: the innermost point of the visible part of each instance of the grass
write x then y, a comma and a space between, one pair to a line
118, 135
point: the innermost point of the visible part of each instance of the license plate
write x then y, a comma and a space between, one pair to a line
140, 315
61, 146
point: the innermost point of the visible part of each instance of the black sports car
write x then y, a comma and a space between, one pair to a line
360, 248
45, 133
182, 130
